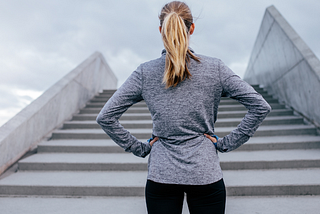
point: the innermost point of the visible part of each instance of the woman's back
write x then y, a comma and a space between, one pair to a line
182, 115
188, 110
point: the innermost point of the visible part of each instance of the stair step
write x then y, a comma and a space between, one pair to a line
222, 131
74, 183
281, 143
226, 122
128, 162
281, 130
79, 205
101, 104
254, 144
94, 125
96, 134
131, 183
273, 204
147, 116
125, 116
241, 114
143, 104
109, 91
272, 182
84, 162
90, 110
112, 91
81, 146
223, 101
130, 110
240, 107
274, 159
275, 120
137, 205
107, 96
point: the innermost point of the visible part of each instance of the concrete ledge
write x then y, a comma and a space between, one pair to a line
283, 63
54, 106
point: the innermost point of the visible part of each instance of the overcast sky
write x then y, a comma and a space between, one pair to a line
42, 40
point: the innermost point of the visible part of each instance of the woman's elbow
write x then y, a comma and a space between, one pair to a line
99, 119
263, 109
102, 119
266, 108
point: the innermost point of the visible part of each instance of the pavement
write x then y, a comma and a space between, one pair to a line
136, 205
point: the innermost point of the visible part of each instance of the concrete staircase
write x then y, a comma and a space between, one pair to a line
282, 159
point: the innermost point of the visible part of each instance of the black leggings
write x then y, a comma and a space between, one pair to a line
168, 198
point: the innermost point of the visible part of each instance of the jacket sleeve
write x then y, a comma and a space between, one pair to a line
258, 108
127, 95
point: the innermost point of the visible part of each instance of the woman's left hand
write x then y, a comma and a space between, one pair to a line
154, 140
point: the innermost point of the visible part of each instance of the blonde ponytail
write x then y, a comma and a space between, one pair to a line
175, 35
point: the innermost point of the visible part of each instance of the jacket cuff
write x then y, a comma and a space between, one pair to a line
146, 148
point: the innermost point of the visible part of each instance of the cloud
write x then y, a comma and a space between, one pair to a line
13, 100
41, 41
123, 63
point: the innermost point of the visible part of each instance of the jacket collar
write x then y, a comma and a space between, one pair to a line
164, 51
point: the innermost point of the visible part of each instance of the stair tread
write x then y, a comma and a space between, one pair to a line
285, 127
248, 178
275, 177
128, 114
288, 117
239, 156
223, 112
219, 129
99, 131
146, 108
79, 205
84, 158
76, 178
137, 205
121, 121
253, 140
272, 155
271, 118
93, 142
284, 139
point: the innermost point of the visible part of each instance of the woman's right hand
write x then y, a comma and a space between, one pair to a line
213, 139
154, 140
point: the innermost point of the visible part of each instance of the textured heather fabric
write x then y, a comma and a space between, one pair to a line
181, 115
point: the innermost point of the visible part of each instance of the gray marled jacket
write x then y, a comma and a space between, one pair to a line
181, 115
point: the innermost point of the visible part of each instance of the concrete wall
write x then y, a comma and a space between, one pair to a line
54, 106
285, 65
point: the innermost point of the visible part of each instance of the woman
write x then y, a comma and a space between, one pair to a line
182, 90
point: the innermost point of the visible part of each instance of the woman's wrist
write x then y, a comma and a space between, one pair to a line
151, 141
217, 138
